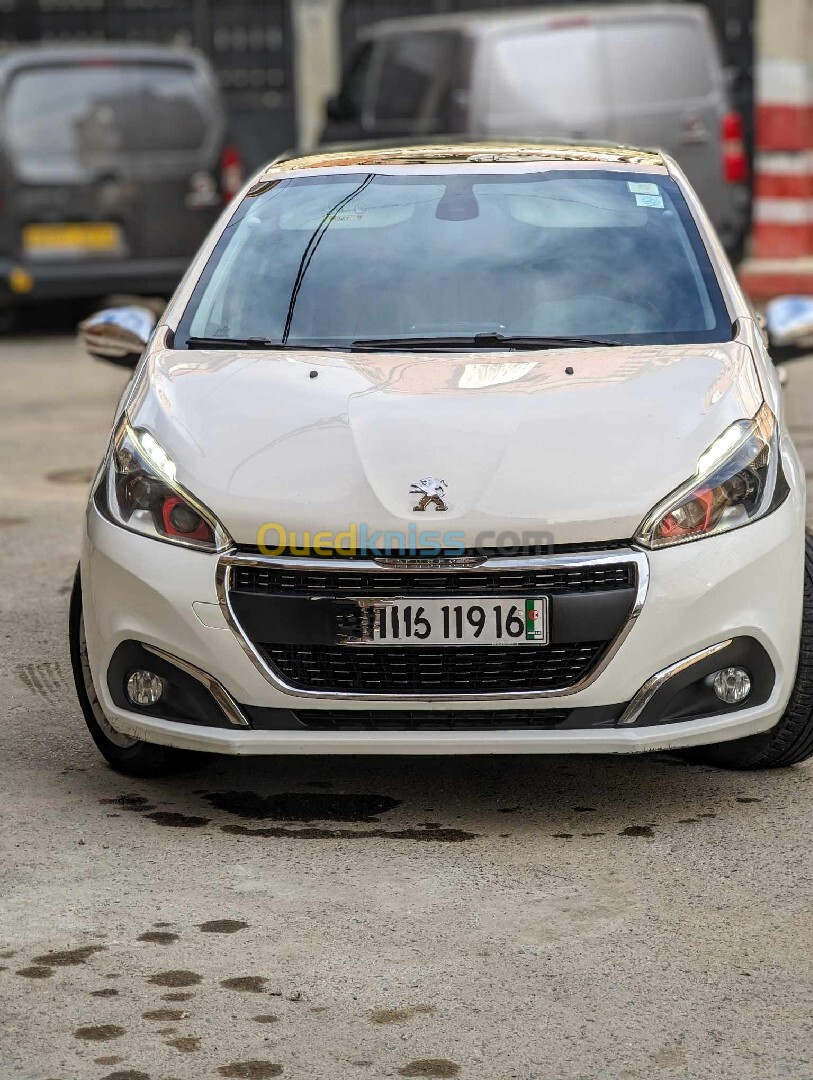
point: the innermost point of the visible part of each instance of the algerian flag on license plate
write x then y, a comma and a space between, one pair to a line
536, 620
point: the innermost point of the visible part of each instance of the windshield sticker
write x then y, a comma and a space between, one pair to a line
654, 201
643, 189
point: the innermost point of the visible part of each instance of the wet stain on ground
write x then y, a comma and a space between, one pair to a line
398, 1016
5, 522
302, 806
251, 1070
508, 809
160, 925
7, 954
175, 978
165, 1014
280, 832
587, 834
177, 997
430, 1067
108, 991
82, 475
707, 815
563, 836
185, 1044
585, 809
136, 804
265, 1018
177, 821
747, 799
100, 1032
158, 937
108, 1059
222, 926
688, 821
637, 830
69, 957
251, 984
36, 972
127, 1074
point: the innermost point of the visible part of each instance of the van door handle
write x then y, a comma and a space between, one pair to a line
694, 131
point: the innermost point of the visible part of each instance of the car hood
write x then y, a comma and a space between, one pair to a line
564, 447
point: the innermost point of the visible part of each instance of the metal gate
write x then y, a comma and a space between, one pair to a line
248, 41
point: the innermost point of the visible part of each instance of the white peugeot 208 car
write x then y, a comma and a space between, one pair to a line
468, 449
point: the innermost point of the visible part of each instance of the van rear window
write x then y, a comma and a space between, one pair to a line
72, 117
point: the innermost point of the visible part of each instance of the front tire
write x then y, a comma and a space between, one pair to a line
791, 741
127, 755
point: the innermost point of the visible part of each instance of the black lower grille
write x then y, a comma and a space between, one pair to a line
415, 720
445, 669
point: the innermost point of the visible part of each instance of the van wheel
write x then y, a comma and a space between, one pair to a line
127, 755
791, 741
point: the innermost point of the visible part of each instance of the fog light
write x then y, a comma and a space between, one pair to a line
732, 685
144, 688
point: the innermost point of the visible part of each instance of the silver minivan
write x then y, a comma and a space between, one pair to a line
643, 74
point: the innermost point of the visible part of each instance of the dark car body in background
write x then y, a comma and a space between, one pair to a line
113, 167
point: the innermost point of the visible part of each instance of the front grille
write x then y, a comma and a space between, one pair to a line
444, 669
483, 552
414, 720
531, 581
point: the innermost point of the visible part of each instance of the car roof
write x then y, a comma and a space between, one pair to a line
470, 153
480, 22
73, 53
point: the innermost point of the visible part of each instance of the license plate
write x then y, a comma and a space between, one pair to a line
70, 239
469, 620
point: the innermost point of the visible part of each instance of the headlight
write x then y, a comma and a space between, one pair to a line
735, 483
138, 490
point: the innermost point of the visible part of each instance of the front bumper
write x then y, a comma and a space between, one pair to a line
744, 584
89, 278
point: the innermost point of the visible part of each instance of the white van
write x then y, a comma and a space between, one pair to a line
643, 74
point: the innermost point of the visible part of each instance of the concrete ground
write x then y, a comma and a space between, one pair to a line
538, 919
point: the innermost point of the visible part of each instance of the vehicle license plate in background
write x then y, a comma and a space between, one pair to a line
468, 620
71, 239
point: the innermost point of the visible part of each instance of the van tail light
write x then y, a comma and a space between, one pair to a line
231, 172
735, 160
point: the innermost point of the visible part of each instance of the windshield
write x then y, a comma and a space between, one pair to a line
335, 259
66, 119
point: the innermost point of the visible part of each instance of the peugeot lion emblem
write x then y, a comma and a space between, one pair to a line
432, 492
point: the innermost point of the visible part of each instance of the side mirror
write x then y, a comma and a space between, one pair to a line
118, 334
789, 321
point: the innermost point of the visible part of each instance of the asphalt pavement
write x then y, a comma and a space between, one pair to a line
530, 918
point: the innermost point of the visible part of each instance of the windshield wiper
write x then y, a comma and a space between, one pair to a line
232, 343
481, 341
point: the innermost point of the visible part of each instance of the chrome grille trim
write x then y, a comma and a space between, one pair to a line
229, 560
